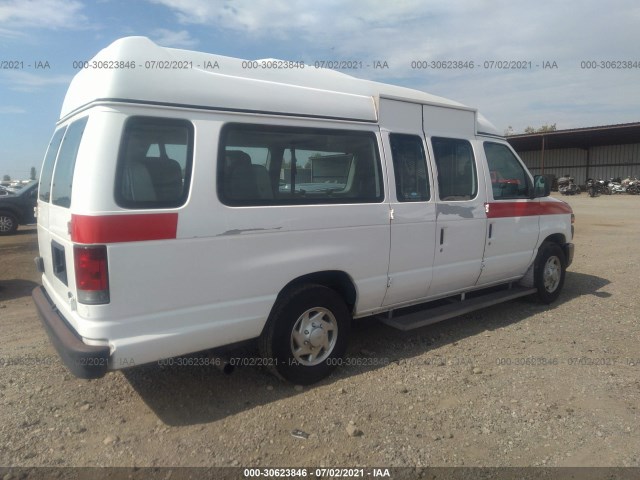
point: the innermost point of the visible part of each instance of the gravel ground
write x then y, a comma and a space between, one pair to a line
518, 384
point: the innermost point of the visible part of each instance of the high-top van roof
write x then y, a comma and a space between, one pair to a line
136, 70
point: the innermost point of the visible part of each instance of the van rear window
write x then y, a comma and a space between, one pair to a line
65, 165
49, 162
154, 164
277, 165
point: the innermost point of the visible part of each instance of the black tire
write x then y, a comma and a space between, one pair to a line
8, 223
549, 272
327, 339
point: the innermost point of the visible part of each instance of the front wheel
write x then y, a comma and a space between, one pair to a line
549, 272
306, 334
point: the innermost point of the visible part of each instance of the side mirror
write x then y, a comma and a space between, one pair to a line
541, 188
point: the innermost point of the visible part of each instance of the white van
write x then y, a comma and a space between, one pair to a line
189, 201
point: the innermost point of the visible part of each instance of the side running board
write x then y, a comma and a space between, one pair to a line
434, 314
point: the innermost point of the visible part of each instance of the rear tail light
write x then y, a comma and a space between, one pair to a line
92, 277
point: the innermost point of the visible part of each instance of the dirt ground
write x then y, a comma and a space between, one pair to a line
518, 384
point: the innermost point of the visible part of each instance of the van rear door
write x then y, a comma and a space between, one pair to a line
54, 200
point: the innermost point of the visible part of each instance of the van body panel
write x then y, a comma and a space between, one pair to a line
442, 121
302, 90
209, 269
459, 241
132, 86
414, 222
557, 219
95, 165
510, 249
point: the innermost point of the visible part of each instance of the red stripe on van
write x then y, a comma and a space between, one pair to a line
554, 208
526, 209
123, 228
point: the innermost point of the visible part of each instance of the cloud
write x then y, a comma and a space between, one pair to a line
170, 38
30, 82
401, 30
16, 15
466, 30
292, 19
8, 109
8, 33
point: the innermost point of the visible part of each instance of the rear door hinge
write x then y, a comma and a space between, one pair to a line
391, 214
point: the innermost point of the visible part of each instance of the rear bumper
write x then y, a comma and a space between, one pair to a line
84, 361
568, 253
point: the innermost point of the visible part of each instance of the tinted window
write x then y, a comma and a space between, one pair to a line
66, 163
410, 167
508, 177
49, 162
154, 165
265, 165
457, 178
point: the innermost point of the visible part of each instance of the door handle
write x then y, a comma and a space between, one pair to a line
441, 236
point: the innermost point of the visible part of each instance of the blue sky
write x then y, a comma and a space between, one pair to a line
55, 33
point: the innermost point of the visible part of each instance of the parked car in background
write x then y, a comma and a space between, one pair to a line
17, 207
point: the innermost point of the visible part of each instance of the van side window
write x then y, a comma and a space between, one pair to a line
270, 165
65, 165
410, 167
457, 177
46, 175
508, 177
154, 164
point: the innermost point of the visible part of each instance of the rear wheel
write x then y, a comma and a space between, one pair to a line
549, 272
8, 223
306, 334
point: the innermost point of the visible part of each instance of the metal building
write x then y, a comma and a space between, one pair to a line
608, 151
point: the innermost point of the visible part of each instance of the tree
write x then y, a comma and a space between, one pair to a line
547, 128
32, 176
6, 178
543, 129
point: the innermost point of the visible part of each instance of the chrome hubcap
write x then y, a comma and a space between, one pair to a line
313, 336
552, 273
